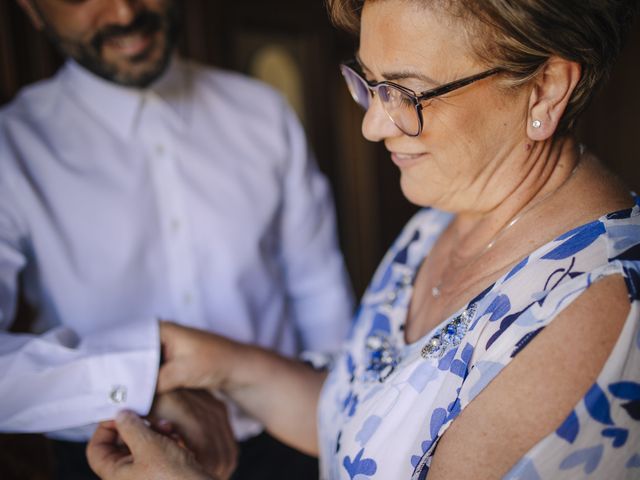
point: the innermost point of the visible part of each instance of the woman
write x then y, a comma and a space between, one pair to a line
503, 326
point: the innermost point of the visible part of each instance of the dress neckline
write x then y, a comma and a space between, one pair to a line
470, 307
386, 350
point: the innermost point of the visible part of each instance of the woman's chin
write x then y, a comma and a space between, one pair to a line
415, 193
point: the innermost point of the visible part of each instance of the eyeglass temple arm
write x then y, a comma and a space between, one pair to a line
457, 84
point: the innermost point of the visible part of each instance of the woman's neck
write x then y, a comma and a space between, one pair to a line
540, 174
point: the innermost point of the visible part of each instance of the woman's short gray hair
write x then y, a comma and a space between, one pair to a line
521, 35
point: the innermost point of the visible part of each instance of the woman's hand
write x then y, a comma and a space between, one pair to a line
128, 449
280, 392
201, 421
194, 358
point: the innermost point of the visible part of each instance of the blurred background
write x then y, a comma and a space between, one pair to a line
292, 45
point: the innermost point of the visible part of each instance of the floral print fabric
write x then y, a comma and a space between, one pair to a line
386, 404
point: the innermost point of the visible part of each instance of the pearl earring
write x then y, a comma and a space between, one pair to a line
536, 124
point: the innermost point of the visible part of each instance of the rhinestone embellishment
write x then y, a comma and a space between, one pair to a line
450, 335
383, 357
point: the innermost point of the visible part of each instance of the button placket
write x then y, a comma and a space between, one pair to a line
169, 194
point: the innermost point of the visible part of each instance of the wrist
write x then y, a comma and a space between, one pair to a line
246, 363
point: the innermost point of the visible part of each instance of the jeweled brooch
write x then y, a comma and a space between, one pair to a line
384, 357
450, 335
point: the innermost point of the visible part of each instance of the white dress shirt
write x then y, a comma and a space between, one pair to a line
195, 200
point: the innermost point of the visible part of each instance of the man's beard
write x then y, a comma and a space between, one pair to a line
89, 54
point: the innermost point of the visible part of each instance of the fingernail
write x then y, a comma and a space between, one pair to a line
123, 415
163, 423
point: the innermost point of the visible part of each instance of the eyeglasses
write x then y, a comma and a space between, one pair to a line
402, 105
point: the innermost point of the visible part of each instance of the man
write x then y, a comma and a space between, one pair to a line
135, 186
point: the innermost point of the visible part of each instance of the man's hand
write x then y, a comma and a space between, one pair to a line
128, 449
201, 421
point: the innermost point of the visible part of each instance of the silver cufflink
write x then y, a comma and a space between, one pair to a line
118, 394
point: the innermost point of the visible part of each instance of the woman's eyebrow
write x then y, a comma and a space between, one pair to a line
404, 75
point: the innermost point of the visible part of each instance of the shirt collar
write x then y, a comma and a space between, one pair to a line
118, 106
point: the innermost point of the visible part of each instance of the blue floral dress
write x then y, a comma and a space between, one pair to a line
386, 403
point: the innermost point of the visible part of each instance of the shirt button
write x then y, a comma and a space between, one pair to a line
187, 298
118, 394
160, 149
175, 225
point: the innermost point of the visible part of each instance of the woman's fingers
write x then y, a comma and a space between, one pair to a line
166, 330
172, 338
170, 377
202, 420
188, 357
176, 356
135, 433
106, 433
144, 454
103, 452
196, 359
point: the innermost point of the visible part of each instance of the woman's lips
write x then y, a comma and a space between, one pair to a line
404, 160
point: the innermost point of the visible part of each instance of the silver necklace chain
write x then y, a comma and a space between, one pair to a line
436, 290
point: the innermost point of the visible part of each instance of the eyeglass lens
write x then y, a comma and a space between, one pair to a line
398, 105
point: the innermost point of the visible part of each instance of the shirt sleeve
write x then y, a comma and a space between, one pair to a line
60, 380
317, 281
57, 381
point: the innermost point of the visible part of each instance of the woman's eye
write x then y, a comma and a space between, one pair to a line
405, 101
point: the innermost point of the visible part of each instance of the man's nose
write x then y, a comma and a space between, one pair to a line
120, 12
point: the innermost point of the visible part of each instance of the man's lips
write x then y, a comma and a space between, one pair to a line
129, 45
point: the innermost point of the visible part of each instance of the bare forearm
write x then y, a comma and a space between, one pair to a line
282, 393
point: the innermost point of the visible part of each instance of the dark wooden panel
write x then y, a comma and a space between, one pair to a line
611, 125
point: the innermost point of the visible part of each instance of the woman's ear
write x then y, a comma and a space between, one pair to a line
552, 89
32, 13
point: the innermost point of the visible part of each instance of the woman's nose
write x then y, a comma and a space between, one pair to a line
376, 124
